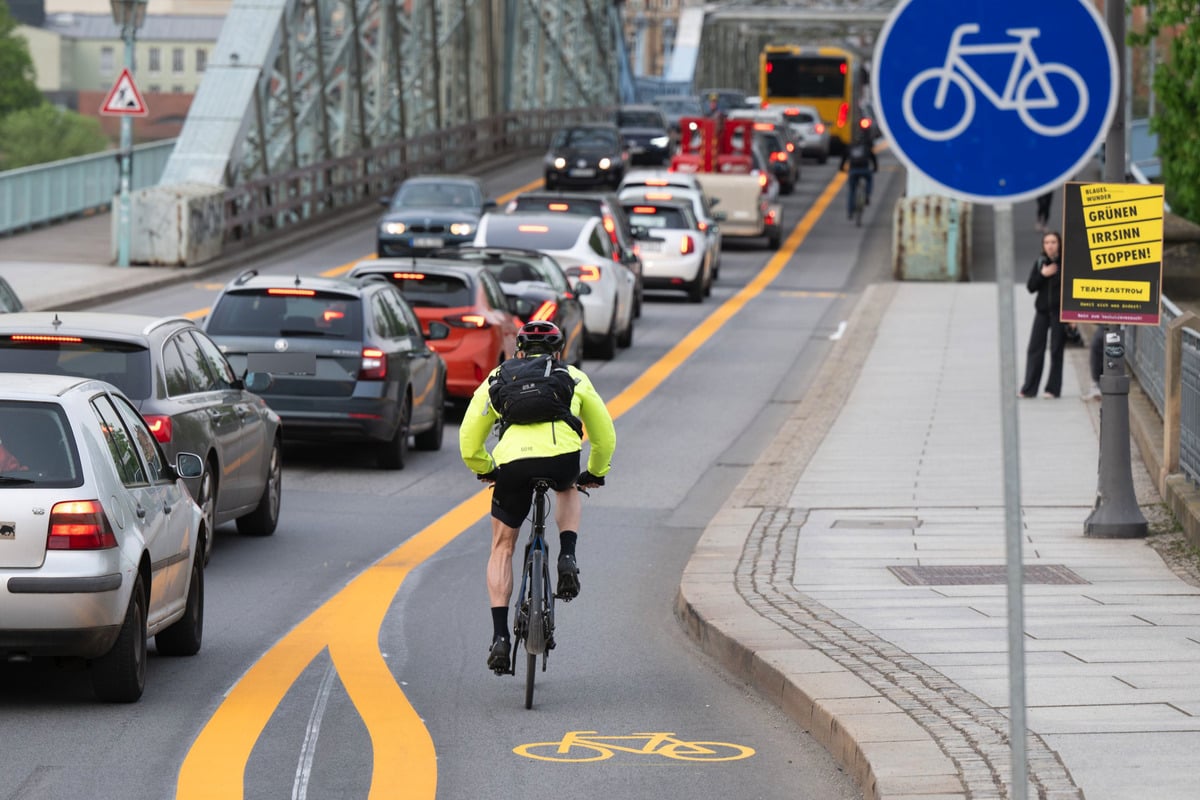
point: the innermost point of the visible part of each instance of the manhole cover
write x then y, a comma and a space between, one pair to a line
983, 575
891, 523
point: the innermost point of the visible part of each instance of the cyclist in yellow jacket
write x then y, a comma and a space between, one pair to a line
534, 450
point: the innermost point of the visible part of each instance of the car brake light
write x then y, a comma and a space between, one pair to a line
791, 148
686, 245
864, 123
293, 292
779, 156
645, 210
160, 426
467, 321
609, 225
408, 276
656, 182
764, 126
762, 180
702, 225
819, 128
659, 196
20, 337
589, 272
533, 229
545, 311
559, 207
770, 218
79, 525
843, 113
374, 365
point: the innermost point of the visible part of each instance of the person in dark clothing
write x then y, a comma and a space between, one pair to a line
1045, 280
1043, 211
860, 157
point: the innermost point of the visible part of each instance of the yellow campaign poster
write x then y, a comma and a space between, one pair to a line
1112, 253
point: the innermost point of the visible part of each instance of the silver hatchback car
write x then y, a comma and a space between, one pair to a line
101, 545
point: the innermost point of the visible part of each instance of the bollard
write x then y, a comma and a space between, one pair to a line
1116, 514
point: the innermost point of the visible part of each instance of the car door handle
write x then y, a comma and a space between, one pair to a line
140, 512
167, 508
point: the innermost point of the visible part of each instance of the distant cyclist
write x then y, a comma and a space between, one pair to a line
527, 450
860, 156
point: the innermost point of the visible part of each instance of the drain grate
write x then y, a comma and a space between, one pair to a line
983, 575
890, 523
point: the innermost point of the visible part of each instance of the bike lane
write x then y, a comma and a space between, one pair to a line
348, 625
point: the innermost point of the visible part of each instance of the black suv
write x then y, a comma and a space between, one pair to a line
646, 134
347, 359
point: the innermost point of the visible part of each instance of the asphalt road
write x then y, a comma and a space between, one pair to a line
345, 652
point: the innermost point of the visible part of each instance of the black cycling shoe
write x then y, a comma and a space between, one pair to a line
568, 578
498, 657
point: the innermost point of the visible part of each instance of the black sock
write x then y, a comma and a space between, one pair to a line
566, 542
500, 621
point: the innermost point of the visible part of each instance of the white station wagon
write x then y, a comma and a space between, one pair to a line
101, 545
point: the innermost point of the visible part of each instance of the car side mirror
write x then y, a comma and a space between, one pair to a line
189, 465
580, 288
489, 205
719, 216
385, 200
257, 381
520, 307
437, 330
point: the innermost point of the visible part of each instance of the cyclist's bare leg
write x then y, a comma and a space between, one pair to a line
568, 511
499, 568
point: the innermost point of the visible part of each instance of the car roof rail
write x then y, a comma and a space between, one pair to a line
244, 276
372, 277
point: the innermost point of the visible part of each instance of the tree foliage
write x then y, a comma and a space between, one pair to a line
18, 87
1177, 94
46, 133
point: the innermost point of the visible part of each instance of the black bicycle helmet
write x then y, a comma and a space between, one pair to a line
540, 337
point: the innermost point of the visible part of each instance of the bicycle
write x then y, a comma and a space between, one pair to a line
584, 746
860, 198
533, 623
1017, 87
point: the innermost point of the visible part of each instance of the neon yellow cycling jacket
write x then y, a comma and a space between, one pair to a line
538, 439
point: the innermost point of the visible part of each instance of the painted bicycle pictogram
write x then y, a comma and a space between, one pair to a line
582, 746
958, 73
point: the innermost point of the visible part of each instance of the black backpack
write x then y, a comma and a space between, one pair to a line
529, 390
859, 156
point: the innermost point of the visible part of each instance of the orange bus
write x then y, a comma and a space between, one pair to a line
830, 79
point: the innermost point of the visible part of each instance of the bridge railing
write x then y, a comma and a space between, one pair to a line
45, 193
263, 205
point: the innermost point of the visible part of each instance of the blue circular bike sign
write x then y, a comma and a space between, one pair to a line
995, 101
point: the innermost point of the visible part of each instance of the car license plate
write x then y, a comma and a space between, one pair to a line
282, 363
652, 247
582, 173
427, 241
637, 149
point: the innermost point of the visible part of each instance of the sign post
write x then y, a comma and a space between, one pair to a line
997, 103
125, 100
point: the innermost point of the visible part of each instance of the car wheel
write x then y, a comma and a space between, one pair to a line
695, 289
392, 453
432, 438
119, 676
625, 339
265, 516
708, 285
550, 182
206, 499
183, 638
606, 348
773, 239
821, 159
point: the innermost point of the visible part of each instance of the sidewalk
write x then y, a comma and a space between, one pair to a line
809, 583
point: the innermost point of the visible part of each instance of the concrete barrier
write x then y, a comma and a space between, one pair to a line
175, 225
931, 238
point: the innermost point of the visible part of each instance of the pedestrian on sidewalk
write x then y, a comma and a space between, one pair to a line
1045, 280
1043, 211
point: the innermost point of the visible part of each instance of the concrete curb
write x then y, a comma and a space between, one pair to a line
880, 746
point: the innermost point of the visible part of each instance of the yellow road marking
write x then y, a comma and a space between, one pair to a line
198, 313
404, 759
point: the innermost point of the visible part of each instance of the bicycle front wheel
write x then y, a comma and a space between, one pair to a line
706, 751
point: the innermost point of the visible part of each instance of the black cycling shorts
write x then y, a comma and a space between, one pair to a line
512, 496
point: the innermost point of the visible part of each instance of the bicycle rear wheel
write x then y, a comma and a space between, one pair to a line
535, 636
860, 200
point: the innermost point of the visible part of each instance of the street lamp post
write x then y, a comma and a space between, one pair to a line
129, 16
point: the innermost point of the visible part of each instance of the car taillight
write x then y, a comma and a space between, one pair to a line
762, 181
843, 113
374, 365
791, 148
702, 225
819, 128
686, 245
780, 155
770, 218
467, 321
79, 525
545, 311
589, 272
160, 426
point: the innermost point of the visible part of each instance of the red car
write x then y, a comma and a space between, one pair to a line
483, 329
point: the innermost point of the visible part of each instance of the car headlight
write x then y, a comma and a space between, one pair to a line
462, 228
394, 228
605, 163
560, 163
660, 141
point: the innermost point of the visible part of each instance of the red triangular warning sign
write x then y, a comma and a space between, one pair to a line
124, 97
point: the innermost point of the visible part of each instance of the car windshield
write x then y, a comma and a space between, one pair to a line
436, 195
590, 138
656, 217
280, 312
426, 290
123, 364
533, 234
36, 448
639, 119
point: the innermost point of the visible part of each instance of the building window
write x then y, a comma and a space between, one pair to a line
177, 59
201, 59
177, 89
155, 88
155, 59
106, 61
